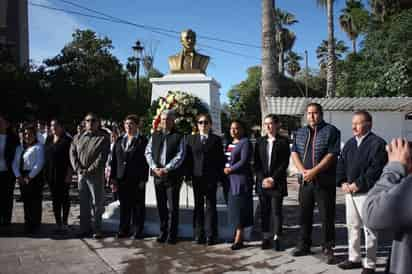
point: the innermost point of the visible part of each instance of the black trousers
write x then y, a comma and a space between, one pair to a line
7, 182
32, 195
309, 194
271, 203
132, 196
204, 189
61, 201
167, 198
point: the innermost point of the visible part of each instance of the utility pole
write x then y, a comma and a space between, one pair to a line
306, 73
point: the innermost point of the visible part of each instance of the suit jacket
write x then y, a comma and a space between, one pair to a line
278, 164
129, 165
12, 142
205, 159
198, 63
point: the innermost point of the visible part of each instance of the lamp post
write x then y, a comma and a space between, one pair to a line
138, 50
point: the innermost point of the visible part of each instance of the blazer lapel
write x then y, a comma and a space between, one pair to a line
264, 155
273, 154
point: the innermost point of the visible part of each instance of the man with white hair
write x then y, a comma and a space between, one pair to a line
359, 167
164, 154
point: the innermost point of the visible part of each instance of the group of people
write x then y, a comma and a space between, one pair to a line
169, 156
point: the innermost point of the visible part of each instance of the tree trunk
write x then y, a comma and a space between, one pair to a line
354, 46
269, 62
331, 68
281, 62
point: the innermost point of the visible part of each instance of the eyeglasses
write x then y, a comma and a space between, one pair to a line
203, 122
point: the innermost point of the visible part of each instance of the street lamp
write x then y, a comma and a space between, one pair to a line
138, 50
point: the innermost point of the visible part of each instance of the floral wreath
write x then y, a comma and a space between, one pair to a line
186, 107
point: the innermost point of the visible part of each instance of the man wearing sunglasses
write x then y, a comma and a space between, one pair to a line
88, 155
205, 164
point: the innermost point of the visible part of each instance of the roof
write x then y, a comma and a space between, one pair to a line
297, 105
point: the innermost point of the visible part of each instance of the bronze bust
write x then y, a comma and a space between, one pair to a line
188, 61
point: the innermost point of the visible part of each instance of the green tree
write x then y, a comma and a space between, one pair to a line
384, 65
285, 39
85, 77
292, 63
353, 20
322, 53
383, 9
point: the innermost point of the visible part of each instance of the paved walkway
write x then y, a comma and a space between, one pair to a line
48, 252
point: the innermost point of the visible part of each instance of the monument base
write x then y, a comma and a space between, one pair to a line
197, 84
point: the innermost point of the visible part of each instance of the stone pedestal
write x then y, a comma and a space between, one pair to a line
204, 87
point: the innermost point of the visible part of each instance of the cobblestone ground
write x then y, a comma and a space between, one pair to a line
49, 252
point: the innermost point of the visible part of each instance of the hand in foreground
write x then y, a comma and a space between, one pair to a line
345, 187
353, 187
268, 183
227, 170
399, 151
309, 175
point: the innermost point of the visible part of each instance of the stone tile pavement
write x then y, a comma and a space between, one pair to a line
48, 252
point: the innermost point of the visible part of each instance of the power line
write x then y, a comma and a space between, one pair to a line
119, 21
161, 29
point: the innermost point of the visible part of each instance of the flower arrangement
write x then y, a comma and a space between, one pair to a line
186, 107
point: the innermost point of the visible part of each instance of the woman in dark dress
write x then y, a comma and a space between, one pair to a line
238, 169
59, 173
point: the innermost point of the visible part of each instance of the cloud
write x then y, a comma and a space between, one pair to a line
49, 30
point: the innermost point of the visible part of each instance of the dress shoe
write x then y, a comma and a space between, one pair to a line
121, 235
329, 256
84, 234
349, 265
138, 235
97, 235
267, 244
162, 238
368, 271
211, 241
237, 246
277, 245
199, 240
172, 240
301, 251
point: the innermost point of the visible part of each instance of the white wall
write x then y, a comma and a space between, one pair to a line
386, 124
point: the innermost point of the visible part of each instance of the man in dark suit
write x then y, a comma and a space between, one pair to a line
129, 174
165, 153
271, 162
8, 144
206, 162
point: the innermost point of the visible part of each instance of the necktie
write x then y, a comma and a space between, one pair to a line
203, 139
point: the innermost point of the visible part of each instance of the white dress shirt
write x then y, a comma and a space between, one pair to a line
269, 149
33, 160
360, 139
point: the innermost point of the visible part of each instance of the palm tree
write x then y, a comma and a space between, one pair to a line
285, 39
322, 53
383, 8
293, 65
331, 65
353, 20
269, 66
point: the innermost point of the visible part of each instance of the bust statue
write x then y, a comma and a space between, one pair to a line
188, 60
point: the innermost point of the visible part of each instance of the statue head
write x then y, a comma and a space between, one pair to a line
188, 39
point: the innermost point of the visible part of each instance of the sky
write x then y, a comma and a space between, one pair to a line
234, 20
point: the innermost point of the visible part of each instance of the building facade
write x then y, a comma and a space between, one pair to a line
14, 29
